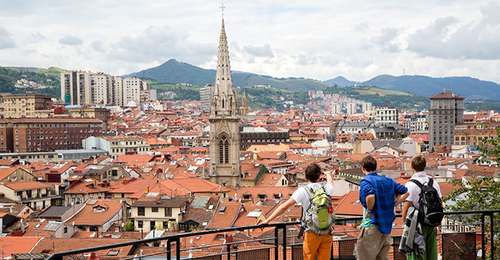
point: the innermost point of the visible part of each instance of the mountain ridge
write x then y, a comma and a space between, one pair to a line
174, 71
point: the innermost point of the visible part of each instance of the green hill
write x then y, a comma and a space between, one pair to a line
35, 80
174, 72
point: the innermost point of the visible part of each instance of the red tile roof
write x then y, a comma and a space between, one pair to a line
16, 245
27, 185
96, 212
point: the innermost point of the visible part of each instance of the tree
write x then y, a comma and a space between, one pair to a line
479, 192
129, 226
491, 148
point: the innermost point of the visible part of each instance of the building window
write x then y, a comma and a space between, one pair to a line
154, 209
165, 225
152, 225
223, 150
140, 211
140, 224
168, 212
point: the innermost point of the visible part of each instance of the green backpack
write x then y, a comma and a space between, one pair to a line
319, 216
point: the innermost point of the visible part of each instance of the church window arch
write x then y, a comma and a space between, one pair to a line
223, 149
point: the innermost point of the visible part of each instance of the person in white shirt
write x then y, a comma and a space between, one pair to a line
418, 164
316, 246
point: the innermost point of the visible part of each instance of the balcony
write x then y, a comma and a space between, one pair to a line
463, 235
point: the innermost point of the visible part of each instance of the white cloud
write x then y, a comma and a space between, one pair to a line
449, 39
70, 40
317, 39
6, 40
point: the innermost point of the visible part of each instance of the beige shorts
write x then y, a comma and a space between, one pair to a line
372, 245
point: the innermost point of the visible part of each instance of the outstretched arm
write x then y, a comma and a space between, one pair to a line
406, 206
402, 197
281, 208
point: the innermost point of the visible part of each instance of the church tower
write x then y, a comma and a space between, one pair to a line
224, 122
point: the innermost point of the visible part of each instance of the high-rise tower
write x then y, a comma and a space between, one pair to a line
447, 111
224, 122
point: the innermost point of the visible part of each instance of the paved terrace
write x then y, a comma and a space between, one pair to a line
463, 235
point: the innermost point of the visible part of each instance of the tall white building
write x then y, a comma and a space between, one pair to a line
100, 83
132, 91
74, 87
386, 116
205, 97
118, 91
87, 88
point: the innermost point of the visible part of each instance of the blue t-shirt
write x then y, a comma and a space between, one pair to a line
385, 190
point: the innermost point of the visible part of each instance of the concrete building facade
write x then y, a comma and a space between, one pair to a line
447, 111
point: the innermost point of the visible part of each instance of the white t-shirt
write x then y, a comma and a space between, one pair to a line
414, 190
302, 197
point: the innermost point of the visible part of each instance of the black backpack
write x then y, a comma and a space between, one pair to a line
430, 206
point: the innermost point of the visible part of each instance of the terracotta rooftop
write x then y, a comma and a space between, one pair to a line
96, 212
17, 245
27, 185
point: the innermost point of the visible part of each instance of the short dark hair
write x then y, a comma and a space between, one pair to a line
313, 171
369, 163
418, 163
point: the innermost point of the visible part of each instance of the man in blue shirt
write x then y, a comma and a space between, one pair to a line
378, 194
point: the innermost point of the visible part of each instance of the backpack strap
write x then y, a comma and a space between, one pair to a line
431, 181
420, 185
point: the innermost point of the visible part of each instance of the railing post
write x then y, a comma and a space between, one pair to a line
483, 241
228, 248
284, 242
276, 243
169, 250
492, 236
178, 248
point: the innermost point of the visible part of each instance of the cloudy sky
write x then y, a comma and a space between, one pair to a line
311, 38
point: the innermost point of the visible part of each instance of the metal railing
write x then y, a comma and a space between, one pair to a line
285, 240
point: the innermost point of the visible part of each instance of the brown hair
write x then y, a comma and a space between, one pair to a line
313, 171
418, 163
369, 163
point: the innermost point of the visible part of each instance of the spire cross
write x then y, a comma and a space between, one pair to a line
222, 7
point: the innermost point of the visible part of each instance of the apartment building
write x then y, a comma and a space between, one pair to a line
89, 88
156, 211
447, 111
386, 116
46, 134
206, 97
117, 145
36, 195
132, 91
75, 87
23, 106
471, 134
100, 113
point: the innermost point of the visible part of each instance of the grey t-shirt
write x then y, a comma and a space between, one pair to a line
302, 197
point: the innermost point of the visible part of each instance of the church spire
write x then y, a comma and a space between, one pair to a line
224, 98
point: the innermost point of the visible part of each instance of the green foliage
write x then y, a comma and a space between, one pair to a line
182, 92
382, 97
491, 148
129, 226
48, 77
479, 193
262, 170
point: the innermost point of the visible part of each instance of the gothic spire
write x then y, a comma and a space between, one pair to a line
224, 98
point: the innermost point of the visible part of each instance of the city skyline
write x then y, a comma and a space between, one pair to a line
279, 38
